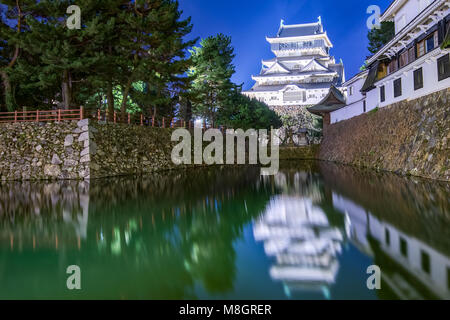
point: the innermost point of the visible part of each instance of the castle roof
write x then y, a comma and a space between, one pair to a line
333, 101
300, 30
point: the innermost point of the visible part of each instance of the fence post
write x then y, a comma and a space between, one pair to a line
99, 116
15, 116
81, 113
115, 117
129, 118
153, 121
59, 115
164, 123
37, 115
142, 119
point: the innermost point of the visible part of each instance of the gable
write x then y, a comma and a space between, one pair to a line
313, 65
277, 68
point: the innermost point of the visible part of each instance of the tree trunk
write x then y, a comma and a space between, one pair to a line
66, 92
123, 108
9, 96
110, 98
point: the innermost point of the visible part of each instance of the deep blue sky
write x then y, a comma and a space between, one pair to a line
248, 22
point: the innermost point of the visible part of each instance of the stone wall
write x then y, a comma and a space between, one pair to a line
81, 150
299, 153
35, 151
409, 137
297, 118
120, 149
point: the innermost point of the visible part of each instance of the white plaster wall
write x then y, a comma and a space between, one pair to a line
348, 112
430, 79
410, 10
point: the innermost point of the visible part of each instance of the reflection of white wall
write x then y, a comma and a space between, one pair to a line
436, 280
362, 223
80, 224
358, 218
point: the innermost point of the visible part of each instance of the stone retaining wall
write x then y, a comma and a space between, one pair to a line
81, 150
35, 151
409, 137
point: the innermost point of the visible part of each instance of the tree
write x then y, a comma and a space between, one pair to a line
211, 73
130, 54
152, 47
379, 37
242, 112
12, 25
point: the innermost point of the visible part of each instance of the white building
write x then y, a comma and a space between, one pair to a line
420, 263
355, 99
410, 66
301, 72
304, 245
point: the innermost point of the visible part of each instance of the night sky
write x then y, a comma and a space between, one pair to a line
248, 22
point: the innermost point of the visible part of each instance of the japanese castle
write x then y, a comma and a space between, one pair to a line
415, 63
302, 71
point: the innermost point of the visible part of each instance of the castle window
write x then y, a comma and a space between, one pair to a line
448, 278
425, 259
420, 48
443, 65
411, 54
392, 67
431, 43
418, 79
403, 59
397, 88
382, 94
403, 247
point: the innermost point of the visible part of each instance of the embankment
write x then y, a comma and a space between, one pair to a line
409, 137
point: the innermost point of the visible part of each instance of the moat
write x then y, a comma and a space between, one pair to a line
310, 232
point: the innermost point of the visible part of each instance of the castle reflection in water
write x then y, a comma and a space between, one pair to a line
170, 234
406, 234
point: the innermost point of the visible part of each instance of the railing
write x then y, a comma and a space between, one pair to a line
141, 120
41, 115
101, 116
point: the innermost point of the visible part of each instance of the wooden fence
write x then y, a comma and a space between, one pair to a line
41, 115
101, 116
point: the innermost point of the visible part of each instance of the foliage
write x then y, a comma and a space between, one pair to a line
245, 113
122, 46
379, 37
211, 73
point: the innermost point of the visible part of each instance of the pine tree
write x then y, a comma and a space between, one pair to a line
12, 25
379, 37
211, 72
151, 47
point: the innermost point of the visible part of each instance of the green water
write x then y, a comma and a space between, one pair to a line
309, 232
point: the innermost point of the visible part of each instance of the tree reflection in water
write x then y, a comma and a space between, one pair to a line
191, 234
151, 238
